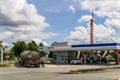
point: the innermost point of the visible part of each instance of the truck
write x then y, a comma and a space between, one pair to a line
29, 59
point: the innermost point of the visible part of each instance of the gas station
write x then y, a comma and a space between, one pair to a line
63, 52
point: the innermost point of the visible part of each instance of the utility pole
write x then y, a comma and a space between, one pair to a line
1, 50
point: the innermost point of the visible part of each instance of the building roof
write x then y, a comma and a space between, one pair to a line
82, 47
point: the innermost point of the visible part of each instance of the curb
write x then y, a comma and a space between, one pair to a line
92, 69
74, 71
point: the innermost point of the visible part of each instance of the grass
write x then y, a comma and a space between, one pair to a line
2, 65
5, 66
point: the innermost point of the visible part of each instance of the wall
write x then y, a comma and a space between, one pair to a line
60, 56
63, 56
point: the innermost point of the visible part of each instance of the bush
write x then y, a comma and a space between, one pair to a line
111, 58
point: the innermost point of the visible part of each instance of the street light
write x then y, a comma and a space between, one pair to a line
1, 50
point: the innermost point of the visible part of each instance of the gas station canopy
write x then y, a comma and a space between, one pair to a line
83, 47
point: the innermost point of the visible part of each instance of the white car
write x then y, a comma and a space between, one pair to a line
76, 61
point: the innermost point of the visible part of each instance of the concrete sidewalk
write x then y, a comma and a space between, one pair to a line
58, 68
66, 68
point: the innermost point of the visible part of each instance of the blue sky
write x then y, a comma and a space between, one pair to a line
59, 16
48, 21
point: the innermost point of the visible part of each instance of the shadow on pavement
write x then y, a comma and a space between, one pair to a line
18, 66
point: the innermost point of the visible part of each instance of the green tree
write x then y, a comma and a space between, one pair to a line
50, 54
32, 46
0, 43
112, 55
41, 44
42, 53
11, 55
19, 47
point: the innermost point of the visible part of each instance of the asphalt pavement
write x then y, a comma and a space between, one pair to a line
59, 72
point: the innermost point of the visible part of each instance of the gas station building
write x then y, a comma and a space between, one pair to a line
63, 52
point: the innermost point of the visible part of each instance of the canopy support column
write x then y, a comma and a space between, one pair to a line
83, 58
117, 51
78, 54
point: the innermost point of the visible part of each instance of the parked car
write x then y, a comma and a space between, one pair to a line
75, 61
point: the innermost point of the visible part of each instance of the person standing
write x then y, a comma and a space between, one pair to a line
43, 64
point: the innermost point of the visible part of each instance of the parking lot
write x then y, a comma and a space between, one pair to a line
58, 72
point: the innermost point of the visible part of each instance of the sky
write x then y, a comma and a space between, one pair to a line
51, 21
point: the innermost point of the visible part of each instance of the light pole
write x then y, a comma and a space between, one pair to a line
1, 50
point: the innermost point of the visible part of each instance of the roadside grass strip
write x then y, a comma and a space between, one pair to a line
8, 66
5, 66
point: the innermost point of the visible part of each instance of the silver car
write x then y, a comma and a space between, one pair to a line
76, 61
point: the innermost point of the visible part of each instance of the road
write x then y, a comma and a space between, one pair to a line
57, 72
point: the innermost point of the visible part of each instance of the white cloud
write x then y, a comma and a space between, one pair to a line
85, 18
38, 41
79, 33
82, 34
109, 14
107, 5
6, 34
33, 35
109, 10
114, 15
102, 8
26, 15
115, 23
21, 21
101, 13
71, 7
103, 32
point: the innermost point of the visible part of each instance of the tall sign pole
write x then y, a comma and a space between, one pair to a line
91, 28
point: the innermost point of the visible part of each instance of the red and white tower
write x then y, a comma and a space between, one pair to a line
91, 29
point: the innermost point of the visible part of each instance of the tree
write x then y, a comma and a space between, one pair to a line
41, 44
112, 55
19, 47
0, 43
42, 53
32, 46
50, 55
